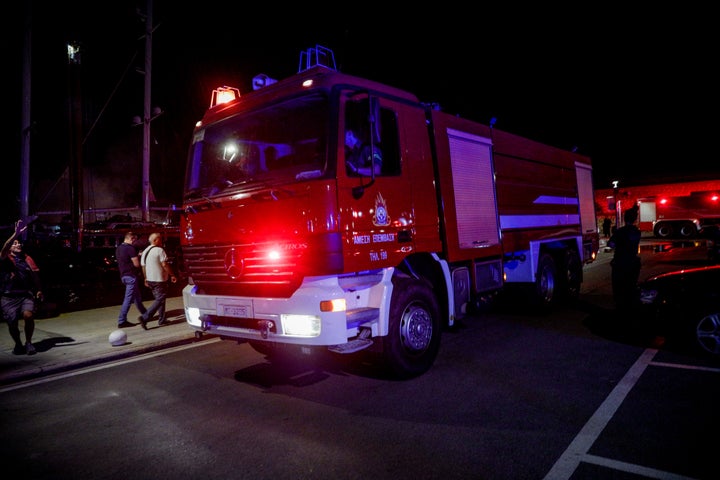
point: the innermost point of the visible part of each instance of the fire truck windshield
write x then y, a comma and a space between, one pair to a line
277, 144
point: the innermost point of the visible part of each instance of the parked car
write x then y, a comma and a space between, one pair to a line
684, 307
712, 235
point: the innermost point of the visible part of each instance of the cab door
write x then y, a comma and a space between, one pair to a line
384, 215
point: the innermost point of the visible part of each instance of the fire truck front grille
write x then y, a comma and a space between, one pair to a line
252, 270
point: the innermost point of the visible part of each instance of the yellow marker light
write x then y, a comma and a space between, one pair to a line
337, 305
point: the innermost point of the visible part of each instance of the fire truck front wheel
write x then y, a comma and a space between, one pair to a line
413, 339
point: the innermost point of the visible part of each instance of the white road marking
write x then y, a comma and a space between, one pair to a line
94, 368
578, 448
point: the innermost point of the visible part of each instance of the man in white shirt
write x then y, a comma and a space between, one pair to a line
157, 271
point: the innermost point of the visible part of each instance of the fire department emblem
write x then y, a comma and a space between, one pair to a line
381, 217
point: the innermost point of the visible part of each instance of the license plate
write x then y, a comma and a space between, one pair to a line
242, 311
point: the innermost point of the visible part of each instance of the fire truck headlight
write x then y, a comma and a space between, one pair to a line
193, 316
301, 325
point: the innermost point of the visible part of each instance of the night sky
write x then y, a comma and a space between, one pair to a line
629, 88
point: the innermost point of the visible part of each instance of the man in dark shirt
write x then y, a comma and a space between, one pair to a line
130, 275
626, 262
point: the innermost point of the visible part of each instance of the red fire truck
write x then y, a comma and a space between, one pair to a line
681, 210
686, 216
288, 248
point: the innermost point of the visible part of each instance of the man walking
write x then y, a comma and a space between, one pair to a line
157, 271
129, 266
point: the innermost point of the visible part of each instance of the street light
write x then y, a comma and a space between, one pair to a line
156, 112
616, 190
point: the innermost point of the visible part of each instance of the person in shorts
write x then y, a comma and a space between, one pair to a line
20, 289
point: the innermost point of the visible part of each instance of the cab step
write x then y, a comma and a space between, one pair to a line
355, 345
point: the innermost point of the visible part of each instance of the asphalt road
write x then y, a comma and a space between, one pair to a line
511, 396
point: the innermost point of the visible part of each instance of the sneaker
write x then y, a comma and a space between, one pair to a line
30, 348
126, 324
142, 322
162, 323
19, 350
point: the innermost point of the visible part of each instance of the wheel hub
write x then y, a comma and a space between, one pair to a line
416, 329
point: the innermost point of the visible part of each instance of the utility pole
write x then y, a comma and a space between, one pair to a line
25, 124
146, 188
76, 143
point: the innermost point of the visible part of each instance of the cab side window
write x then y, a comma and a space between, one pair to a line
390, 146
369, 145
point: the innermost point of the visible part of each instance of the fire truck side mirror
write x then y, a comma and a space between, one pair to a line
375, 126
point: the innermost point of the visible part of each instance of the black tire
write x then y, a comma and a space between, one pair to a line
687, 230
546, 277
413, 339
707, 334
573, 276
663, 230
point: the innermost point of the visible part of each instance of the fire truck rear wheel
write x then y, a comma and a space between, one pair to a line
663, 230
573, 274
545, 283
688, 230
413, 340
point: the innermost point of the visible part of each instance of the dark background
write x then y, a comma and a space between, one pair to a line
631, 88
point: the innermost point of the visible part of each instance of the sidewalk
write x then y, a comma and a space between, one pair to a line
77, 339
80, 338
